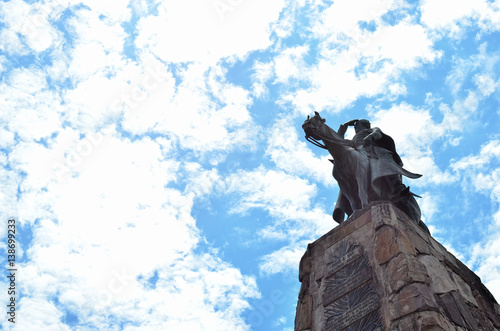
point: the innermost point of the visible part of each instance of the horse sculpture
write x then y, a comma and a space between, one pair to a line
364, 171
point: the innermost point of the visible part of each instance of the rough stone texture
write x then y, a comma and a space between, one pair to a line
380, 271
464, 289
440, 278
303, 320
403, 270
412, 298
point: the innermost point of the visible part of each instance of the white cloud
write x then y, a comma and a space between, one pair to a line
481, 172
413, 131
288, 200
462, 68
98, 45
343, 16
453, 16
11, 43
285, 26
199, 293
9, 184
114, 11
479, 169
118, 188
283, 260
289, 64
429, 205
185, 31
121, 191
201, 181
30, 109
443, 13
295, 156
39, 314
280, 321
411, 128
31, 22
263, 72
203, 111
406, 45
485, 83
485, 257
363, 64
397, 89
92, 113
282, 194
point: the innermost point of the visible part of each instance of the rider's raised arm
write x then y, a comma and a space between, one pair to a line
343, 127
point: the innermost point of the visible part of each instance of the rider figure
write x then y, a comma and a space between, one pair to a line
368, 136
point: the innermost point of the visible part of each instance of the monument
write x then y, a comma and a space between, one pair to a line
381, 269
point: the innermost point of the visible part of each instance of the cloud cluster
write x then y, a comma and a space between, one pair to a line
110, 208
296, 218
359, 54
454, 17
101, 237
185, 31
481, 173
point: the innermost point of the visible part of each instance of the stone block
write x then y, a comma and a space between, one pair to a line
303, 317
414, 297
347, 228
470, 321
319, 267
405, 244
458, 311
385, 245
405, 323
383, 214
403, 270
482, 321
304, 287
305, 264
423, 321
487, 309
439, 276
437, 250
420, 243
464, 289
316, 295
391, 241
433, 321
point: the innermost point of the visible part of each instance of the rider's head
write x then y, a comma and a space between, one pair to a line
361, 125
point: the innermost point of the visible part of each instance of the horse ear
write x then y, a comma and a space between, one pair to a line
331, 161
316, 114
308, 117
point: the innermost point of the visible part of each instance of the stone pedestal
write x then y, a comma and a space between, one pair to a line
380, 271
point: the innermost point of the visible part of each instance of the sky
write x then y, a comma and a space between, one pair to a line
152, 155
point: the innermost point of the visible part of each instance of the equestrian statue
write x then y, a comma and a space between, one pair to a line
367, 168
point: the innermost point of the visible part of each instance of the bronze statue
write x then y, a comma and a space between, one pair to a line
367, 168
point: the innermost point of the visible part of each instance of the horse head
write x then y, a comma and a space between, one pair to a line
312, 125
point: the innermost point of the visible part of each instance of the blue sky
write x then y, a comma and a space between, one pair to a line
153, 157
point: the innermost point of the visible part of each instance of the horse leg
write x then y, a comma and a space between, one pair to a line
347, 184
